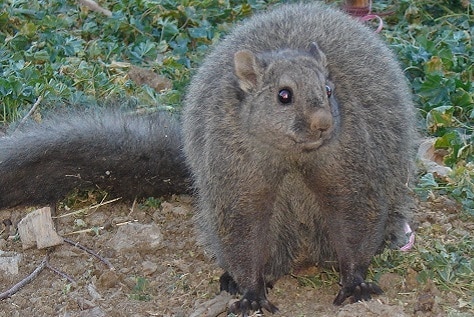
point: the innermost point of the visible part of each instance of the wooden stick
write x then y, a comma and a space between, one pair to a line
33, 108
60, 273
26, 280
76, 244
102, 203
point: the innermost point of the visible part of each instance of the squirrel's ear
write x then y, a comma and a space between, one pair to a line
246, 69
316, 52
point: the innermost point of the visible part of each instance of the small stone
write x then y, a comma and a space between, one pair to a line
93, 312
137, 237
425, 303
171, 208
149, 267
9, 262
108, 279
93, 292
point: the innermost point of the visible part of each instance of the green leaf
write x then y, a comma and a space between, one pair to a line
427, 181
200, 32
439, 117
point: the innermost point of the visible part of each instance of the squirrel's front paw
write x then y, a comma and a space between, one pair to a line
251, 302
357, 292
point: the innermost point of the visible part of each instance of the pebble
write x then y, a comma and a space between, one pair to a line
137, 237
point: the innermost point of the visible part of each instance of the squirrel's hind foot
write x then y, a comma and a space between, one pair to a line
252, 302
357, 292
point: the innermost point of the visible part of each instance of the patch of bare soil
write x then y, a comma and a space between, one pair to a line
160, 270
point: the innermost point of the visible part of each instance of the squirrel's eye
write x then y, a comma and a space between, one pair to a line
285, 96
328, 91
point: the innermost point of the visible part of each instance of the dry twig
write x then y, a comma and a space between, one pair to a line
26, 280
60, 273
80, 246
102, 203
35, 105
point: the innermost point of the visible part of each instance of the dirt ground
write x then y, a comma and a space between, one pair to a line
160, 270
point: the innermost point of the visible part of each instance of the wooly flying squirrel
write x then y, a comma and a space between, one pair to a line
297, 131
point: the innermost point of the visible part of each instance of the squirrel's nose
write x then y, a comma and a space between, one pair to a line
320, 120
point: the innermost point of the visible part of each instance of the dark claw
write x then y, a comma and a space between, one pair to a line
358, 292
251, 301
245, 306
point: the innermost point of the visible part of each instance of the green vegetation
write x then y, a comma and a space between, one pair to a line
66, 54
61, 54
433, 40
447, 264
140, 290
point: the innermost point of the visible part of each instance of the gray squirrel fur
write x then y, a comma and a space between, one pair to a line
125, 154
298, 132
312, 179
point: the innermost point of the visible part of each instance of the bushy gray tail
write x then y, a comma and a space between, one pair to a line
127, 155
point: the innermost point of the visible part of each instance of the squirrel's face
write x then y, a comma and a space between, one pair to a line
289, 100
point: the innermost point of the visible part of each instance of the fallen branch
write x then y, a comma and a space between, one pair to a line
26, 280
102, 259
62, 274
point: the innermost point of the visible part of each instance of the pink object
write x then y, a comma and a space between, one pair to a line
411, 239
369, 17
